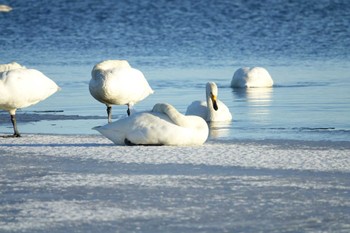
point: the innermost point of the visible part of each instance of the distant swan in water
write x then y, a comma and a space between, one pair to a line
21, 87
251, 77
164, 125
5, 8
212, 109
115, 82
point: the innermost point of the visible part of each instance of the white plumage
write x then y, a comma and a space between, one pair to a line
212, 109
21, 87
251, 77
5, 8
115, 82
164, 125
10, 66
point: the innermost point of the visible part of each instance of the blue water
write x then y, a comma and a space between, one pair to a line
179, 46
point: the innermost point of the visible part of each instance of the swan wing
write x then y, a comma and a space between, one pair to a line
24, 87
198, 108
251, 77
122, 85
223, 113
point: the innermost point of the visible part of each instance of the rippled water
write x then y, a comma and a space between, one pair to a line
180, 45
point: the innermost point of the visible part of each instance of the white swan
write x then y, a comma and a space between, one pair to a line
5, 8
164, 125
21, 87
212, 109
114, 82
251, 77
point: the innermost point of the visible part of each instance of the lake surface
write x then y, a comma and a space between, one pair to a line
180, 46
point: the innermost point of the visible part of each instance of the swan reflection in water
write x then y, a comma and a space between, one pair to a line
256, 96
219, 129
256, 102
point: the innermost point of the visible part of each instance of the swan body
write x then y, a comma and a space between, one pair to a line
212, 109
21, 87
251, 77
115, 82
164, 125
5, 8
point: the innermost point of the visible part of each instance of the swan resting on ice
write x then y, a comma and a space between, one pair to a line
21, 87
251, 77
211, 110
164, 125
115, 82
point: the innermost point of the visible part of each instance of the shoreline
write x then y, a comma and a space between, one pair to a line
265, 154
266, 141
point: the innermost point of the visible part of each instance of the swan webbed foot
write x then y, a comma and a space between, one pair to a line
128, 142
11, 136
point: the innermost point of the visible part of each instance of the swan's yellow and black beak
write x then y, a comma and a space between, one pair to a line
213, 99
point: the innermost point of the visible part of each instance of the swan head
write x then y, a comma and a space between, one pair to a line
212, 93
10, 66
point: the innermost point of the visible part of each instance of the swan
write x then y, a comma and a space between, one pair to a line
212, 109
21, 87
251, 77
5, 8
115, 82
163, 125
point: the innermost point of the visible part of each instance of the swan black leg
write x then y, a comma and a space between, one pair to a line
14, 123
109, 113
129, 109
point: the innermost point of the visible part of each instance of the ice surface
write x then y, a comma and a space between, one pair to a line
84, 183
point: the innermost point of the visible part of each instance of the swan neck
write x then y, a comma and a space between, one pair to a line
209, 101
175, 116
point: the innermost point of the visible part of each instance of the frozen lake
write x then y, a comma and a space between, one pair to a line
52, 183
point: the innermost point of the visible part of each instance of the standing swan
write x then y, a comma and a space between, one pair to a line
114, 82
212, 109
251, 77
21, 87
164, 125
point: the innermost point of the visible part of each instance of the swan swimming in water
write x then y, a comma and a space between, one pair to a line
115, 82
212, 109
21, 87
164, 125
5, 8
251, 77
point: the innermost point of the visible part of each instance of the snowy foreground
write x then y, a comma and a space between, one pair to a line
59, 183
